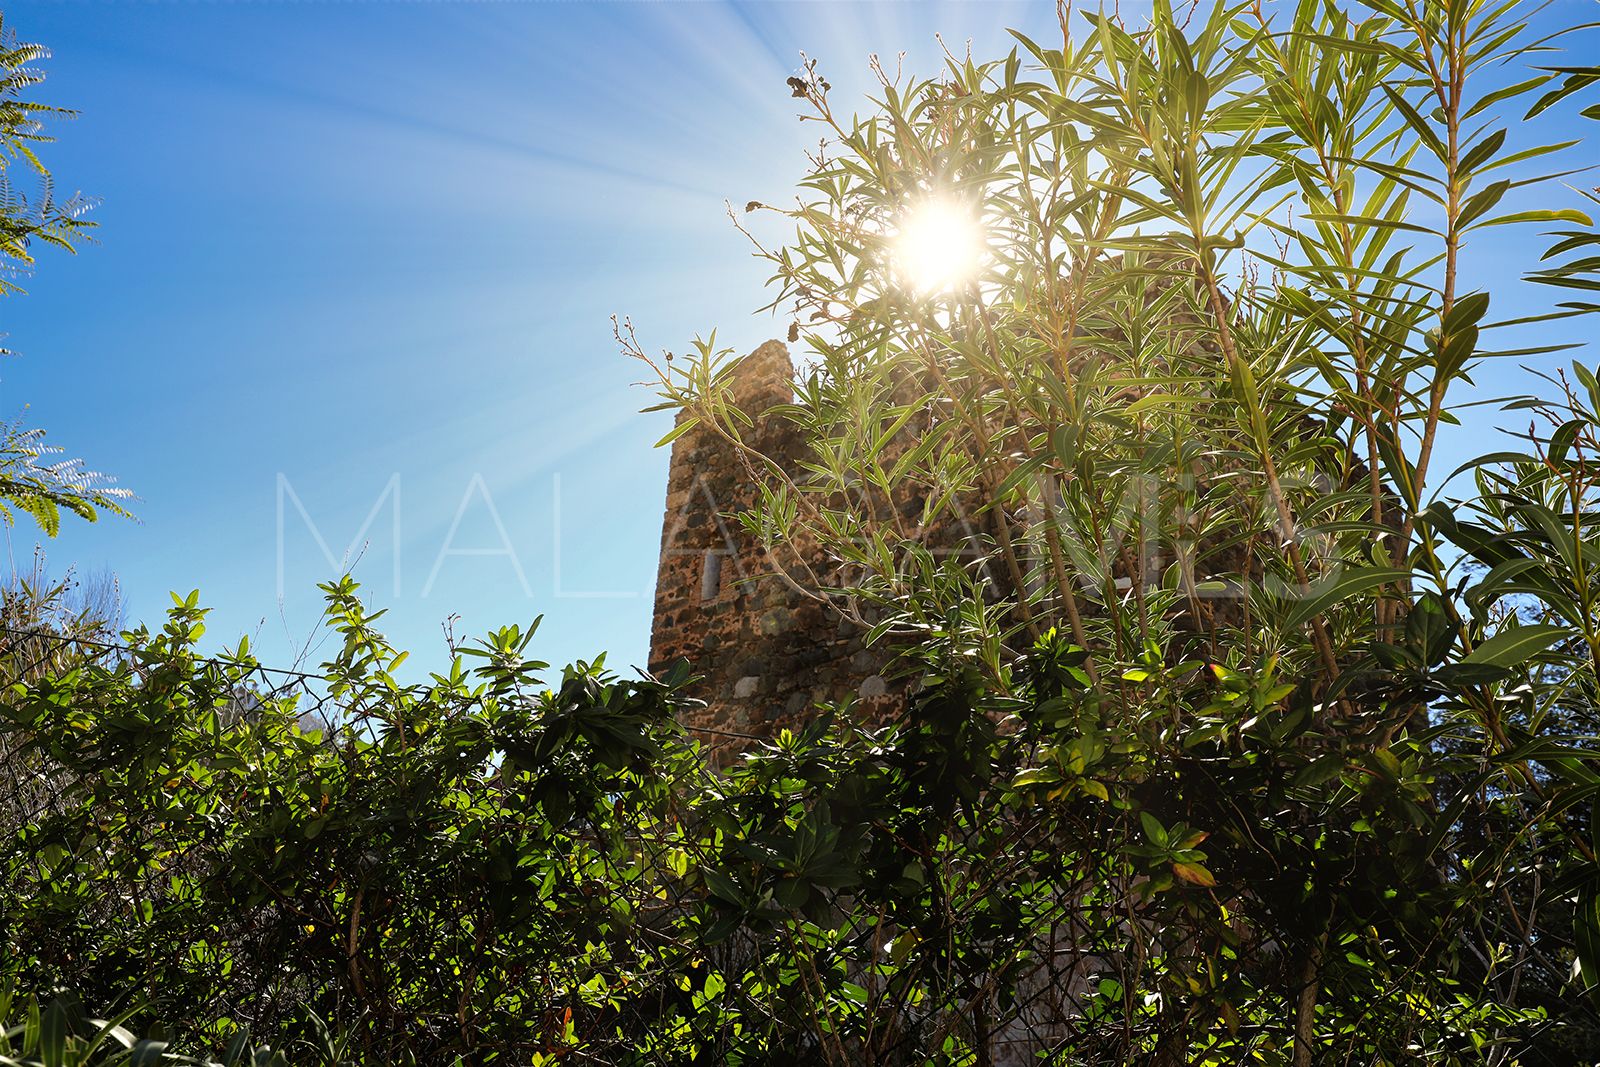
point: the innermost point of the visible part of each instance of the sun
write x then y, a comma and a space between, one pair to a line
940, 245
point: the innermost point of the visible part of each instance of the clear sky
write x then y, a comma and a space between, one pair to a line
349, 247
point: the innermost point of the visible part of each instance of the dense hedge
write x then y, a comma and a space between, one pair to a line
485, 869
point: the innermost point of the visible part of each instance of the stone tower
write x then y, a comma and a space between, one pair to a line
766, 654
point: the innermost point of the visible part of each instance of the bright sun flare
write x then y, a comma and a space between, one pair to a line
940, 246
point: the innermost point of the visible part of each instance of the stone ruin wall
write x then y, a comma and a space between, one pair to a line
766, 655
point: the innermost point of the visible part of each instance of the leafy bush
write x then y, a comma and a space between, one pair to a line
482, 868
433, 865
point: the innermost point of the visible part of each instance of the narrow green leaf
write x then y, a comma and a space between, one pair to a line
1565, 214
1508, 648
1325, 593
678, 431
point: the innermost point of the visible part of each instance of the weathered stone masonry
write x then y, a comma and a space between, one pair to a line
765, 653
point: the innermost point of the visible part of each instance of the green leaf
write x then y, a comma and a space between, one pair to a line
1505, 93
53, 1035
1036, 776
1365, 220
1590, 385
678, 431
1577, 78
1419, 125
1324, 768
722, 886
1565, 214
1194, 874
1341, 586
1018, 475
1508, 648
1498, 580
1562, 439
1481, 151
1586, 936
1348, 44
1481, 202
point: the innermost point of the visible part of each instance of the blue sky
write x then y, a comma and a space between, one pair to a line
348, 246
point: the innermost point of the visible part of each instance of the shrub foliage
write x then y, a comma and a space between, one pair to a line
486, 868
33, 478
